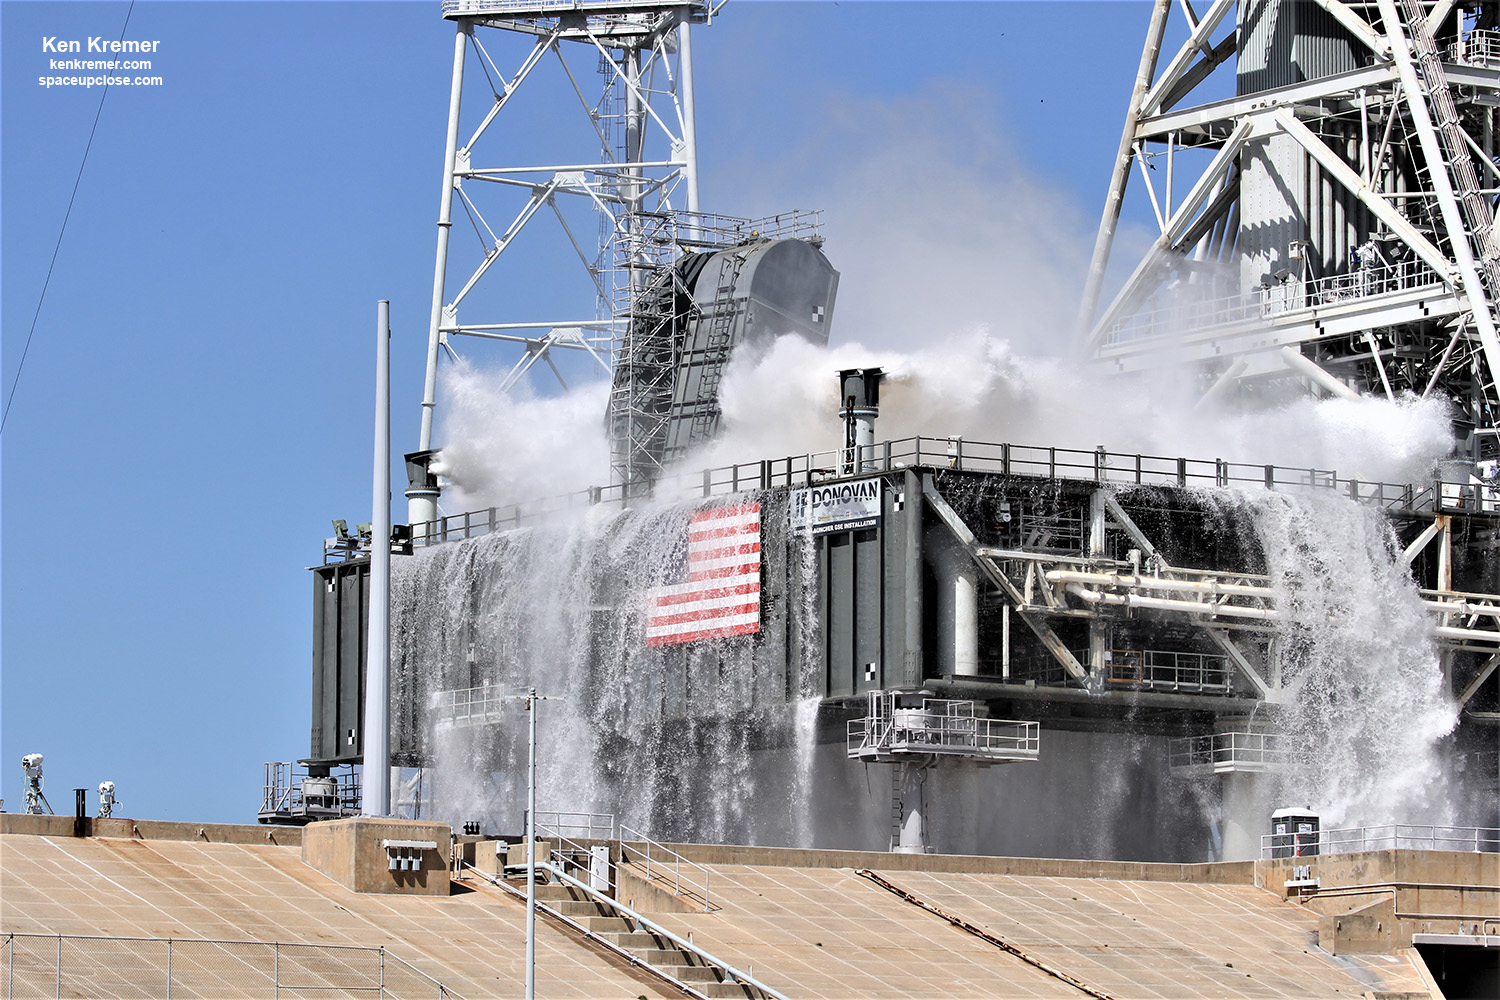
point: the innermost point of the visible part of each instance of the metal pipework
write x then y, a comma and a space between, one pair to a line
859, 405
445, 225
1211, 587
1168, 604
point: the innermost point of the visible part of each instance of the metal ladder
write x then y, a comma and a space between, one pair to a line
716, 351
1478, 219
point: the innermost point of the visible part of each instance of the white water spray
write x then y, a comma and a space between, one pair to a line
1368, 704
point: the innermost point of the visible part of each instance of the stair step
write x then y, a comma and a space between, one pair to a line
576, 907
600, 924
553, 893
693, 973
724, 990
630, 940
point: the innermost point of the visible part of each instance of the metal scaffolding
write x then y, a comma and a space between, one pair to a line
642, 117
1336, 225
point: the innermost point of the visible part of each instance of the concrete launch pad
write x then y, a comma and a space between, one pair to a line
806, 923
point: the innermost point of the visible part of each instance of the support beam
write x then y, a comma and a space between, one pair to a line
1133, 530
1410, 553
1174, 229
970, 545
1387, 213
1195, 44
1472, 688
1357, 26
1306, 367
1447, 199
1235, 654
1104, 242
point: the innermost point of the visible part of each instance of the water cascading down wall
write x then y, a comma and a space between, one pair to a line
736, 740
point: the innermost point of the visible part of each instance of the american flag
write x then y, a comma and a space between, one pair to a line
722, 592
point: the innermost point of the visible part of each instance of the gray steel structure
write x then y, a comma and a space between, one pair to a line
1331, 221
643, 119
1110, 590
664, 399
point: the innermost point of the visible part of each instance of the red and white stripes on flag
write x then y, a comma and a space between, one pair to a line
722, 592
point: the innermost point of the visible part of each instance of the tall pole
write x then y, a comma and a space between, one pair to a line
531, 845
1106, 238
423, 509
376, 800
689, 113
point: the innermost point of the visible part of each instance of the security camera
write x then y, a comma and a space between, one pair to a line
32, 762
107, 800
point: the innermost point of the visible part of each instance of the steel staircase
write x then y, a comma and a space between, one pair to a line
721, 314
1438, 95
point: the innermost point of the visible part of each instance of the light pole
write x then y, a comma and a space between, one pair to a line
531, 844
531, 698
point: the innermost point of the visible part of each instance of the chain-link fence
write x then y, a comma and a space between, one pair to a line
57, 966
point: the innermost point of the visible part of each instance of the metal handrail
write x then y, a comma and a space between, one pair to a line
1097, 465
1232, 748
678, 882
594, 826
1262, 303
686, 944
591, 935
380, 952
1397, 836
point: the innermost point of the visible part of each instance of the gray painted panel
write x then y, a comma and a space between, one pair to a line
867, 616
841, 614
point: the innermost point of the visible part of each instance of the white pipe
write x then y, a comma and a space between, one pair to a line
1305, 366
376, 797
1236, 611
966, 620
531, 701
445, 225
1166, 604
1158, 583
689, 112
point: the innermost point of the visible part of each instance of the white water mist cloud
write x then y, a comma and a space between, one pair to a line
784, 403
500, 448
942, 229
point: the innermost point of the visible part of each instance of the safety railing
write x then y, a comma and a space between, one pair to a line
474, 706
1184, 311
290, 792
552, 8
1166, 670
1480, 47
660, 864
1396, 837
581, 838
53, 965
641, 922
938, 726
1232, 751
576, 825
1097, 465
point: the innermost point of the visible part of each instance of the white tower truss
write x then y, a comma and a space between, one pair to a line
641, 116
1326, 220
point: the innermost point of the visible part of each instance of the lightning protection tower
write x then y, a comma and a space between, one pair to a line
1323, 179
640, 118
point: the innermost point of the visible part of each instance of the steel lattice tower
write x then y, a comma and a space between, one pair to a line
646, 176
1336, 225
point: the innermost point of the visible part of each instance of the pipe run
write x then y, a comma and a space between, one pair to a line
1169, 604
1237, 611
1136, 581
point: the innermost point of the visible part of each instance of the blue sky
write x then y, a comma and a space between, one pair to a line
196, 403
